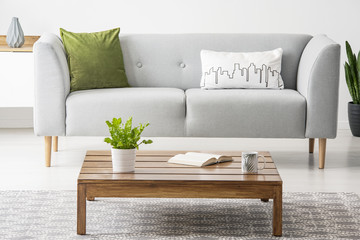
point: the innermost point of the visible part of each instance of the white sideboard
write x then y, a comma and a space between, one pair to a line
16, 84
16, 79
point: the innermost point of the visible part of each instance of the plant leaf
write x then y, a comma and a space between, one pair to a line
148, 141
123, 135
349, 52
349, 81
352, 73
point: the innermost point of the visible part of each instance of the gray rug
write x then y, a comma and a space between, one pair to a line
52, 215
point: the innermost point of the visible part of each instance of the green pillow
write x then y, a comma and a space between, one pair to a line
95, 59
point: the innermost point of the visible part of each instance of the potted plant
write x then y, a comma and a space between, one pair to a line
352, 74
124, 141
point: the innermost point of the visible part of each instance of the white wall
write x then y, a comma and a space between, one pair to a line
338, 19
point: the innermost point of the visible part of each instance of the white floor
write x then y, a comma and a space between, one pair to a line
22, 160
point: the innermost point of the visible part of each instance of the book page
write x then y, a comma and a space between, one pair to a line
184, 159
199, 159
208, 156
203, 156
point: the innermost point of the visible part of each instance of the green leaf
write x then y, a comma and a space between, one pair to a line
123, 135
128, 125
358, 78
119, 145
349, 52
354, 79
352, 73
148, 141
349, 81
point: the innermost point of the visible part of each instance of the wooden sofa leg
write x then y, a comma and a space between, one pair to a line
55, 143
322, 151
48, 151
311, 145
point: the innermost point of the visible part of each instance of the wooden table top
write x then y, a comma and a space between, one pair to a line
152, 166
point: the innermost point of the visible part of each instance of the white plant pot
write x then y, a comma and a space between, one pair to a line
123, 160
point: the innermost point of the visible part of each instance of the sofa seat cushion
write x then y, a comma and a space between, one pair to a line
163, 108
245, 113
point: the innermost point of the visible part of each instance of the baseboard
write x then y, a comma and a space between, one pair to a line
16, 117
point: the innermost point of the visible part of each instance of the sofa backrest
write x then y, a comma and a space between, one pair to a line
173, 60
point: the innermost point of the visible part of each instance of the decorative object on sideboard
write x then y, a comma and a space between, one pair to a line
352, 74
15, 35
124, 140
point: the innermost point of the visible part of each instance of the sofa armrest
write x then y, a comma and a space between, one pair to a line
52, 85
318, 82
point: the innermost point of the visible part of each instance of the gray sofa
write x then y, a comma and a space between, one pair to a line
164, 72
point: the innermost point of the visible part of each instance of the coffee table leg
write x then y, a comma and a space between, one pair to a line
277, 212
81, 209
90, 198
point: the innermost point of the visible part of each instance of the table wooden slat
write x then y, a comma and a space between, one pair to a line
183, 177
167, 165
211, 171
169, 153
98, 158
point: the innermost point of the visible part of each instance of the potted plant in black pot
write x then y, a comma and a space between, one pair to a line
352, 74
124, 140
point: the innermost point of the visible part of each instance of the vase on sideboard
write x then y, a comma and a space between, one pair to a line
15, 35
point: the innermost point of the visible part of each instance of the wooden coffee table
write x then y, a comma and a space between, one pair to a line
155, 178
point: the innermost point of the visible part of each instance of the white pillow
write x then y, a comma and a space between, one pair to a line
241, 70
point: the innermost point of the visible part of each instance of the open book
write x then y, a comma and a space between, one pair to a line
199, 159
